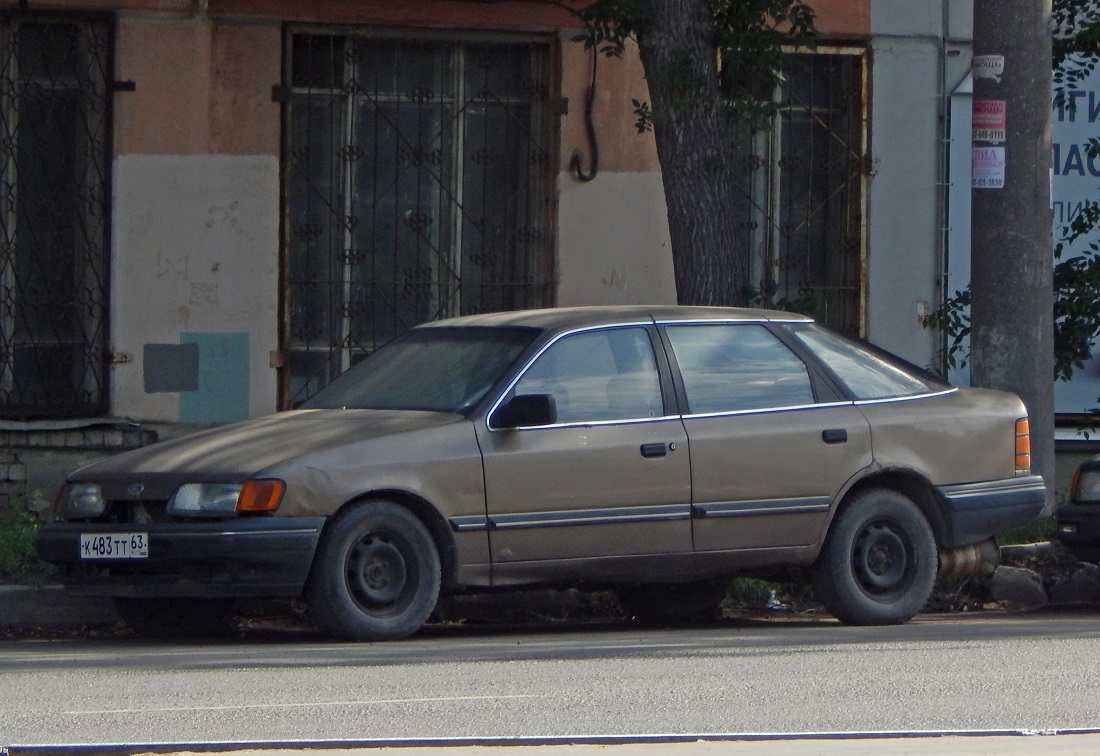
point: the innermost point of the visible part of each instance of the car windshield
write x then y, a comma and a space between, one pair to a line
434, 369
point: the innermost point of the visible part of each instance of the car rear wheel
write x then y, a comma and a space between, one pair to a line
175, 618
673, 602
376, 575
879, 560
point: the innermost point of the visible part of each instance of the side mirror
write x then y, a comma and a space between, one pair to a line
525, 411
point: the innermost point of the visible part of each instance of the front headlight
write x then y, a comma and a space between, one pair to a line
213, 499
78, 500
1086, 487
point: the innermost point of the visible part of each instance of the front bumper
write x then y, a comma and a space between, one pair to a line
247, 557
1079, 530
976, 511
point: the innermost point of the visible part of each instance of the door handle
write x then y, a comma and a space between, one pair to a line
835, 435
654, 450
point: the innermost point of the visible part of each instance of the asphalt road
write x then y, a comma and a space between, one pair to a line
990, 672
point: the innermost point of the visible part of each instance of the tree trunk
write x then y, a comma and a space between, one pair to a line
696, 146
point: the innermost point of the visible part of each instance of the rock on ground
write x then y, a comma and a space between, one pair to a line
1018, 586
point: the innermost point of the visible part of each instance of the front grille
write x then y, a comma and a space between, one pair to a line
138, 512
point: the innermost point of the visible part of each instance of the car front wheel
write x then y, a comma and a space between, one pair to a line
376, 575
879, 561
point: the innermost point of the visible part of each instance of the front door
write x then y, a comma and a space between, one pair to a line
610, 477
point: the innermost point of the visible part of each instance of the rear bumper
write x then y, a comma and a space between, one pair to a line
243, 557
976, 511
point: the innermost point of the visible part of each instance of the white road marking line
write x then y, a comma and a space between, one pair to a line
303, 705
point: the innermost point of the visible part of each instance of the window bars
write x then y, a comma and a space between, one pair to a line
805, 187
53, 198
418, 181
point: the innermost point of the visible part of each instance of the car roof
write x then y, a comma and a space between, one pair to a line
579, 317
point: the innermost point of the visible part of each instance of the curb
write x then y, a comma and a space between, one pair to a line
51, 607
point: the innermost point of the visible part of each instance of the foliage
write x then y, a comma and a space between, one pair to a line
952, 318
765, 296
17, 554
1076, 315
749, 36
1077, 32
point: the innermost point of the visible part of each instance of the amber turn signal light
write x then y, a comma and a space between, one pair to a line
1023, 445
260, 495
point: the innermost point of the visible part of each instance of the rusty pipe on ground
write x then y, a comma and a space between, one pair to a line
980, 558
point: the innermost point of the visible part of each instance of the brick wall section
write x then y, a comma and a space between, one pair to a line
94, 438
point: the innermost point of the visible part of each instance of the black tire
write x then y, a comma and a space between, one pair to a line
664, 603
879, 561
376, 575
176, 618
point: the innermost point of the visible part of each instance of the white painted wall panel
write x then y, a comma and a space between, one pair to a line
195, 250
613, 241
904, 215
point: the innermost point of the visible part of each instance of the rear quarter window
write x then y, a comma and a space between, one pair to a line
867, 373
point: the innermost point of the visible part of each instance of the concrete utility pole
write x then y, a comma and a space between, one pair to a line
1012, 263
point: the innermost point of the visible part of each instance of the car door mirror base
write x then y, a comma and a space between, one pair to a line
525, 411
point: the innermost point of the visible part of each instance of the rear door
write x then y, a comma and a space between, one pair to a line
770, 447
611, 477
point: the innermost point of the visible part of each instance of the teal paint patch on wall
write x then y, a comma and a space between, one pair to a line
223, 393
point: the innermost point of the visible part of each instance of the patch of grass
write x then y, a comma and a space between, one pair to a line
747, 591
1032, 532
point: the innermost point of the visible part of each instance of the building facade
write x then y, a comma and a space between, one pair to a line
209, 208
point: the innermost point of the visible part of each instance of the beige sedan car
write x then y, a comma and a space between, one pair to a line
656, 451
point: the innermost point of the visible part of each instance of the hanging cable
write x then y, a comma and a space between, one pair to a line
577, 161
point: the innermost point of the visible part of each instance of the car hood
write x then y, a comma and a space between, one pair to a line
238, 451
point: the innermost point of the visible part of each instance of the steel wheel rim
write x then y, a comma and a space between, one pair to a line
379, 571
881, 559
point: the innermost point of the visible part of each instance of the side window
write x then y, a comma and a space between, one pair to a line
867, 375
598, 375
738, 367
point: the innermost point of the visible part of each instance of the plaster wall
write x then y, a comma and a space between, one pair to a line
612, 231
195, 248
195, 252
921, 50
614, 241
905, 214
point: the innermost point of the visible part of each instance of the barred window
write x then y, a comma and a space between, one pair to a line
418, 187
53, 190
805, 189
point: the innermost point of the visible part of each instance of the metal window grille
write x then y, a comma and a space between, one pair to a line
807, 182
53, 193
418, 187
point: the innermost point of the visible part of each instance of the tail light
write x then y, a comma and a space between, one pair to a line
1086, 485
1023, 446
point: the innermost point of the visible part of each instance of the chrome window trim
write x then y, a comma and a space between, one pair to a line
909, 398
686, 416
591, 424
767, 410
734, 321
527, 366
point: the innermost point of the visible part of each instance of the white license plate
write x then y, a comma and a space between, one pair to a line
114, 545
